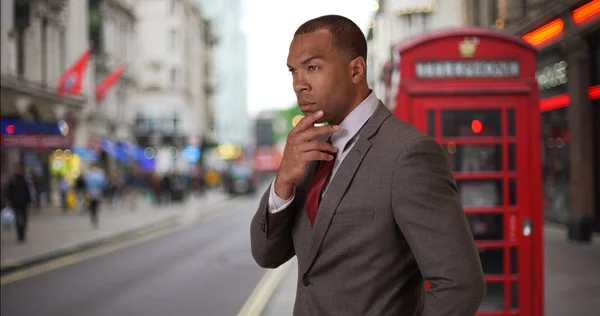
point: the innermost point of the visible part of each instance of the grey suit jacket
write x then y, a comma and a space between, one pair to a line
390, 219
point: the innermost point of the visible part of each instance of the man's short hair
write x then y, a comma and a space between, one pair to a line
347, 36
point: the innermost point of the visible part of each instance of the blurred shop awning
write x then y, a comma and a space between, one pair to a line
114, 150
86, 154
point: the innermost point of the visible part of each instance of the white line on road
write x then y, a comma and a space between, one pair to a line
259, 298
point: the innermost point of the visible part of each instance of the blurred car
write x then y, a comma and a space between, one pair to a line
241, 179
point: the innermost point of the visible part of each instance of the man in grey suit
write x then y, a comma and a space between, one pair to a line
367, 203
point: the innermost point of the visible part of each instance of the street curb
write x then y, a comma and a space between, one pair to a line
562, 228
165, 223
153, 227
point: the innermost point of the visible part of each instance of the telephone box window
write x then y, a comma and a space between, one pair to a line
492, 261
512, 157
474, 158
431, 123
514, 260
494, 297
487, 226
476, 193
511, 122
468, 123
514, 295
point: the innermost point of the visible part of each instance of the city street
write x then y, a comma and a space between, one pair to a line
203, 268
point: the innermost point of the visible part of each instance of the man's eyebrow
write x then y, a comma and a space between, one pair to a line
307, 60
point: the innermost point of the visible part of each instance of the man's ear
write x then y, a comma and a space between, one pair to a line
358, 67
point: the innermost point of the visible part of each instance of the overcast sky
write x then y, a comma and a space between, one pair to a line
270, 26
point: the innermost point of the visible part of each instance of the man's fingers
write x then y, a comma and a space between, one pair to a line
316, 155
315, 131
318, 146
306, 122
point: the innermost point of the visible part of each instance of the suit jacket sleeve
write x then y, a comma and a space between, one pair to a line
271, 234
428, 212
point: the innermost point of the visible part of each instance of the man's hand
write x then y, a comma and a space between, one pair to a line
300, 149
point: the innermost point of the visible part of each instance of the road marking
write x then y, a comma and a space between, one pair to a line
82, 256
259, 298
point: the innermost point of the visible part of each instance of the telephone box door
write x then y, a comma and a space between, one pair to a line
485, 140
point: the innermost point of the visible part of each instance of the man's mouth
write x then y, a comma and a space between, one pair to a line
307, 106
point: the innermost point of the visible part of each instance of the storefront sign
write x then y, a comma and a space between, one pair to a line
402, 7
36, 141
15, 127
552, 76
467, 69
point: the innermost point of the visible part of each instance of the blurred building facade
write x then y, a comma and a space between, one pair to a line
396, 21
567, 35
111, 27
38, 41
174, 107
232, 124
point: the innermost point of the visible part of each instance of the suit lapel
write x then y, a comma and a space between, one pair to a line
341, 180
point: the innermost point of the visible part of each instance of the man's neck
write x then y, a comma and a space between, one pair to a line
360, 97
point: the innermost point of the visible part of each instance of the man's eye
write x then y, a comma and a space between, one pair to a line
313, 68
292, 71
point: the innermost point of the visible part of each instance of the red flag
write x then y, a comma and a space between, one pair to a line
71, 81
108, 82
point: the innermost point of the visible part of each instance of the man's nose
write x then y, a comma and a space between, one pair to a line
300, 84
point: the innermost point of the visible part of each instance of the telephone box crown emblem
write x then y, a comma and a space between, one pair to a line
468, 47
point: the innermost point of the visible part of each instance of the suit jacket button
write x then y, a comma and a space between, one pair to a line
305, 281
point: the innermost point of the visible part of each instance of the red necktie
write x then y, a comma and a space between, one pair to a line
314, 194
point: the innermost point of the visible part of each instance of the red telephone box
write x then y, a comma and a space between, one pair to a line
475, 92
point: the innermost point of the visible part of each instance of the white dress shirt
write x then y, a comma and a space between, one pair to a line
344, 140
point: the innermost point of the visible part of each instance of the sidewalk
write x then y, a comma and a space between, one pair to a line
51, 234
572, 278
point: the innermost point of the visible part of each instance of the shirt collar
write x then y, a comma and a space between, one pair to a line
355, 121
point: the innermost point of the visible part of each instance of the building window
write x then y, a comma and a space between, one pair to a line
524, 8
556, 165
173, 7
174, 75
173, 40
494, 13
95, 26
63, 49
44, 52
476, 13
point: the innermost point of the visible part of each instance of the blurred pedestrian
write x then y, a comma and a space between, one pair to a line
95, 182
80, 190
367, 203
19, 198
36, 181
116, 187
64, 187
132, 190
166, 189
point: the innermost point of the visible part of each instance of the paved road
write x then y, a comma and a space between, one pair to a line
205, 269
